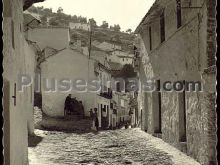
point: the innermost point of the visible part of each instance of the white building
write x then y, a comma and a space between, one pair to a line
82, 26
106, 46
72, 64
54, 37
121, 57
19, 58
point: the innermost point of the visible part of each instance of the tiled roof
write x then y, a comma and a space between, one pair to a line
28, 3
30, 20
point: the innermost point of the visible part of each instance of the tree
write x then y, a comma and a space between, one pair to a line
74, 18
33, 9
128, 71
104, 25
82, 19
128, 30
117, 28
44, 20
111, 27
92, 22
116, 38
54, 22
59, 10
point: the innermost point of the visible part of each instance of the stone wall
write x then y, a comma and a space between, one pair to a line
184, 55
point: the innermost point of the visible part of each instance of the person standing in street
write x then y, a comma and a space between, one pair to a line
96, 119
67, 105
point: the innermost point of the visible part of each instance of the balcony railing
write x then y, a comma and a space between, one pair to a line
107, 95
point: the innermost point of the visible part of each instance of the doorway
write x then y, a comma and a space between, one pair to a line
157, 109
182, 116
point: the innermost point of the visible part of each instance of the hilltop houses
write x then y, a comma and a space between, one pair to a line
79, 26
121, 57
177, 43
107, 46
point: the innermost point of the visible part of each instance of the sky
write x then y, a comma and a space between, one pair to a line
126, 13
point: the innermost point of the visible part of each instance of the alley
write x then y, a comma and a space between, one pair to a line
131, 146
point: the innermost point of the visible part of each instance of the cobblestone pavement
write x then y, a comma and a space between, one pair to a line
131, 146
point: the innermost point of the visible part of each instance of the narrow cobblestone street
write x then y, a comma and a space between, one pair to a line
131, 146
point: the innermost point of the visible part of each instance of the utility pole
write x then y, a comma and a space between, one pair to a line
90, 41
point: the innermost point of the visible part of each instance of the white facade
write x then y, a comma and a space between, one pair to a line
71, 64
125, 60
19, 58
82, 26
120, 57
67, 64
106, 46
54, 37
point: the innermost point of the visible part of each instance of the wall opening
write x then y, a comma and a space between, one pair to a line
150, 38
141, 120
145, 112
162, 27
13, 34
178, 13
182, 117
15, 92
157, 110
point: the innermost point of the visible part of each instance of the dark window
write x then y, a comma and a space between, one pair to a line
162, 27
118, 86
157, 112
111, 105
150, 38
13, 34
182, 116
7, 8
178, 13
14, 97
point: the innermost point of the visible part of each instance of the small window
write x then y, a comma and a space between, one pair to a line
150, 38
15, 92
118, 88
13, 34
178, 13
111, 105
31, 90
162, 27
21, 28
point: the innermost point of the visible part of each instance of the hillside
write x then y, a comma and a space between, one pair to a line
100, 33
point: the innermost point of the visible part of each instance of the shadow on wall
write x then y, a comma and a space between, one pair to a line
34, 140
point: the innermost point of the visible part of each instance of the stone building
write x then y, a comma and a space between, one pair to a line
19, 58
177, 42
